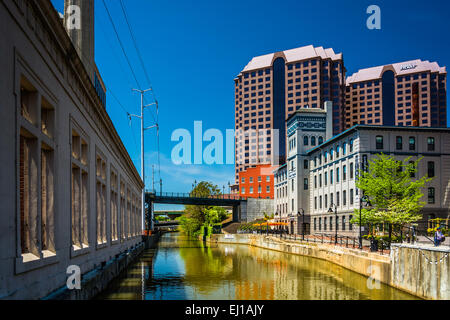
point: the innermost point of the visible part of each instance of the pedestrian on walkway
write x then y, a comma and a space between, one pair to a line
438, 237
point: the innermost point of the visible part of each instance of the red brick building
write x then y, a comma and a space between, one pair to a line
257, 182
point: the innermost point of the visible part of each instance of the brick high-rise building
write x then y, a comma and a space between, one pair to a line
412, 93
271, 88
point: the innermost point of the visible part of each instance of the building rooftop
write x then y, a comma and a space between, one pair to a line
401, 68
374, 127
292, 55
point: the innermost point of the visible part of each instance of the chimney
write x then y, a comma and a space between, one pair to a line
79, 24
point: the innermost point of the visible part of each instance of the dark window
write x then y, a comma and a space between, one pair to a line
431, 144
431, 172
305, 140
379, 142
412, 143
399, 143
412, 169
431, 196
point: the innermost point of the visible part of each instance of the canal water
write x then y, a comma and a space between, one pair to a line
181, 268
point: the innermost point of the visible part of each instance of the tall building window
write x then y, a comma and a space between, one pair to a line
431, 196
352, 171
129, 211
313, 141
388, 89
399, 143
412, 143
80, 190
36, 173
350, 225
123, 211
431, 172
343, 223
413, 169
114, 187
337, 175
279, 102
320, 140
351, 196
379, 142
305, 184
305, 140
351, 145
344, 173
431, 144
344, 197
101, 199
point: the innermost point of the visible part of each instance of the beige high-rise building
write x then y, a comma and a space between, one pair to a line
271, 88
411, 93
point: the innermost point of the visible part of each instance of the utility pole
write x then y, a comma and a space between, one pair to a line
142, 92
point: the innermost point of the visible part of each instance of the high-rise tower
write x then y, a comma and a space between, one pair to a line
411, 93
271, 88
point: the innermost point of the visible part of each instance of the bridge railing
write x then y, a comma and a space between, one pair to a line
195, 196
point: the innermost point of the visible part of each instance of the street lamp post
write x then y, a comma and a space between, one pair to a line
367, 203
360, 220
335, 220
302, 213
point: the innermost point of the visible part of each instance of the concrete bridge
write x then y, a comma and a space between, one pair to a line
244, 209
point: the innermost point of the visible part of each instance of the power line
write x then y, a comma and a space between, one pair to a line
148, 80
121, 45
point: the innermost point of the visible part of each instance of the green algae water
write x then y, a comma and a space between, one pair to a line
181, 268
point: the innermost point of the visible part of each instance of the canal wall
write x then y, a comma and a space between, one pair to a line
423, 271
406, 268
96, 280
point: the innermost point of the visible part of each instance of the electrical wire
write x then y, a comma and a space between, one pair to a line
148, 81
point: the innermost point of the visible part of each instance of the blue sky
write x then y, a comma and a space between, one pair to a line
194, 49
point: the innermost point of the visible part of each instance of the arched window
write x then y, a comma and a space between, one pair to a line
331, 154
320, 140
305, 140
344, 149
313, 141
351, 145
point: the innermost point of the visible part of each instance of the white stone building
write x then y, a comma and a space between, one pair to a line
320, 175
334, 168
69, 192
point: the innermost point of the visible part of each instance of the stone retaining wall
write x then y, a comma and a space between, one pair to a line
97, 280
405, 269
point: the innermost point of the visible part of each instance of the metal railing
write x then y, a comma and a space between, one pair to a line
382, 247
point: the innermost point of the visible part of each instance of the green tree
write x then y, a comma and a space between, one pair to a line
197, 216
394, 194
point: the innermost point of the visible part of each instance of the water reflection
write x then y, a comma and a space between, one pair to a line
182, 268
